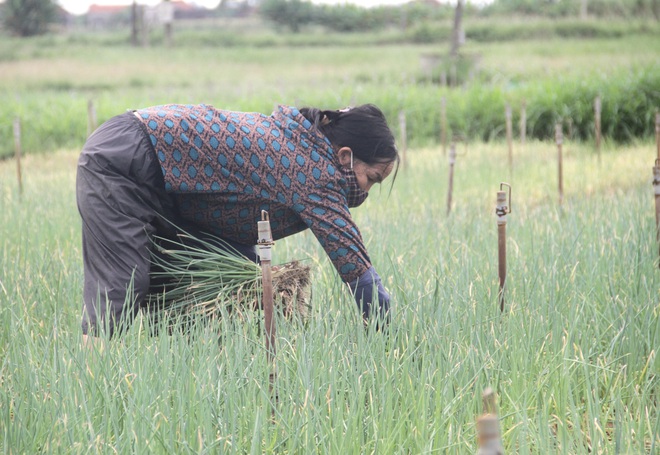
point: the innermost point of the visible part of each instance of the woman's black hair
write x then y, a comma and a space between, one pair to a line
362, 128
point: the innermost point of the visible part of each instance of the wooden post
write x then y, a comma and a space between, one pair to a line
523, 123
456, 31
167, 17
452, 161
657, 132
559, 139
91, 117
404, 136
265, 242
656, 191
453, 74
443, 125
509, 135
168, 34
597, 110
583, 9
144, 26
18, 151
502, 208
488, 427
135, 29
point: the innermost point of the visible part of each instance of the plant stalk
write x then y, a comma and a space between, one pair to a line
452, 162
559, 140
656, 191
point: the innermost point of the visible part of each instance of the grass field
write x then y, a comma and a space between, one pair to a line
573, 358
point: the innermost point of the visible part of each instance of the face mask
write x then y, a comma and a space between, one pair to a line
355, 195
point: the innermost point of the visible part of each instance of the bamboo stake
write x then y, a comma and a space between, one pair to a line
509, 135
443, 125
559, 139
656, 190
523, 124
657, 131
502, 209
91, 117
144, 26
488, 427
453, 74
265, 242
134, 24
17, 152
168, 17
597, 110
404, 136
452, 161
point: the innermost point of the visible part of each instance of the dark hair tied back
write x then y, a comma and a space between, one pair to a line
362, 128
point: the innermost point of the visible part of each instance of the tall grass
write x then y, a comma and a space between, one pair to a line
573, 358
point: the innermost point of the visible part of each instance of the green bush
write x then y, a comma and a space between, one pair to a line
57, 118
428, 33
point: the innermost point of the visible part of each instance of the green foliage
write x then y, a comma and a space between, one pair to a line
292, 14
573, 358
557, 8
295, 14
27, 17
548, 8
427, 33
525, 30
347, 18
254, 71
632, 8
55, 117
629, 101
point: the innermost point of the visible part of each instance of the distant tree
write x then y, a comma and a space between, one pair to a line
289, 13
27, 17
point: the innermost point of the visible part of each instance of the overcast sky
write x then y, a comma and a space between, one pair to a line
81, 6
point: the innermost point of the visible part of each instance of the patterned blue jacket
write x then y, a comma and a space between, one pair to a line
223, 168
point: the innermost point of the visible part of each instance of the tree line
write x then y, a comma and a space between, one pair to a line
34, 17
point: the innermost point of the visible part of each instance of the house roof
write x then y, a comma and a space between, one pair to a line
106, 9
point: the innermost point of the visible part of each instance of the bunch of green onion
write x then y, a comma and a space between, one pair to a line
209, 278
202, 277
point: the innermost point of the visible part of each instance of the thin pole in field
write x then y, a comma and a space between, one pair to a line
144, 26
404, 136
509, 134
167, 17
17, 152
91, 117
597, 110
559, 140
265, 242
134, 24
656, 191
489, 439
502, 208
452, 162
657, 132
523, 123
443, 125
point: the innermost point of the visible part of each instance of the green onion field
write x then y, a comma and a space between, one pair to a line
573, 358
